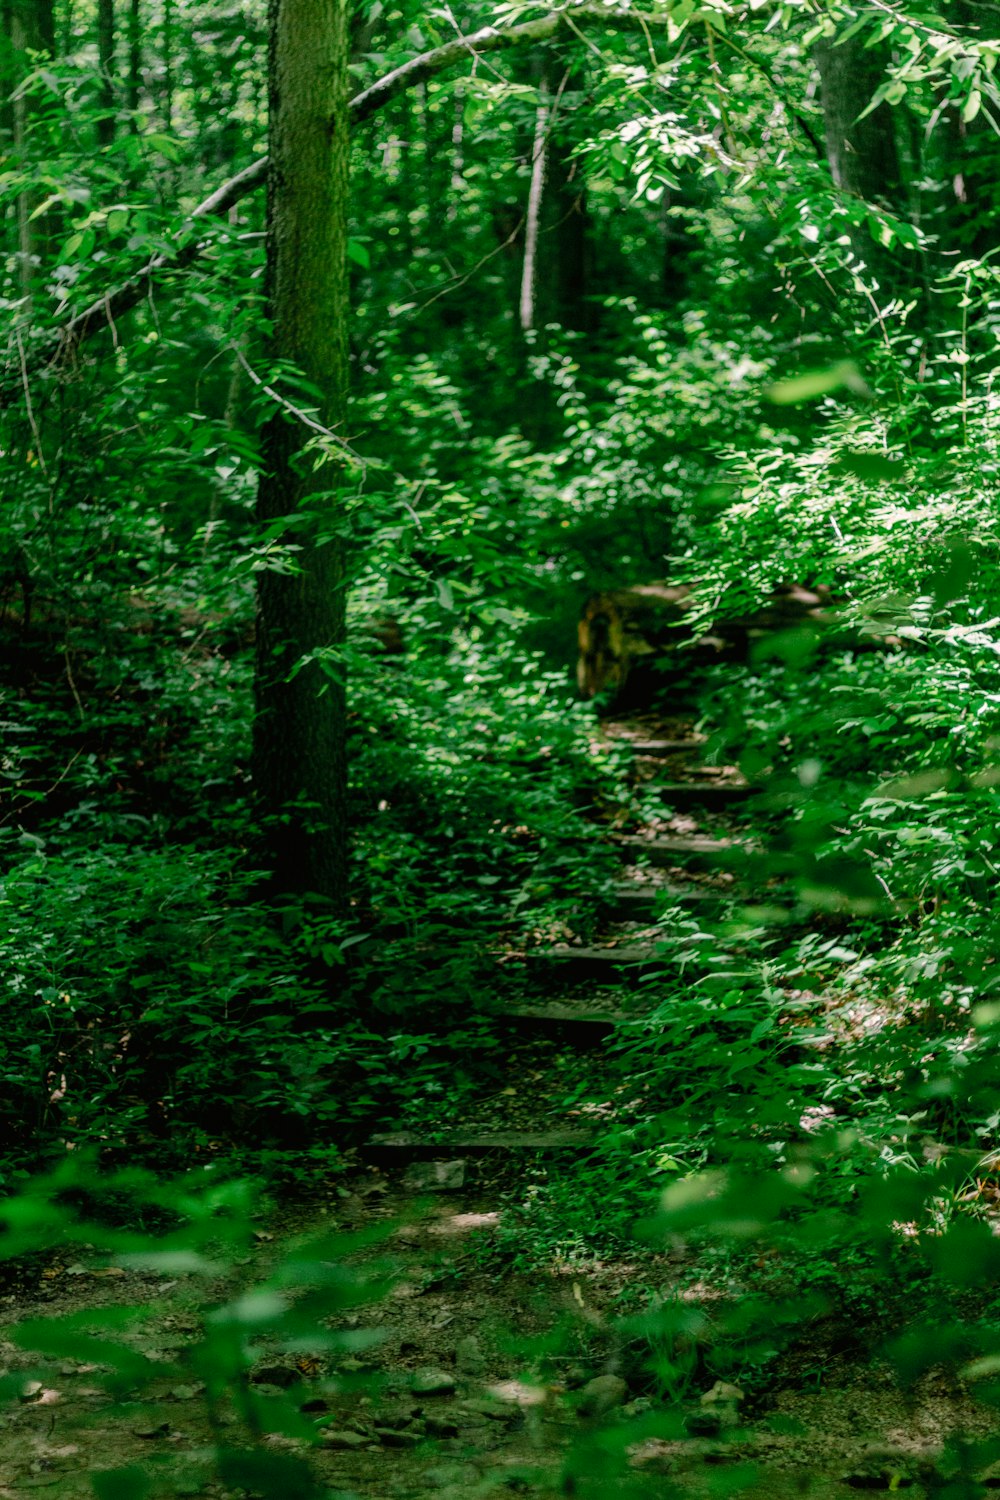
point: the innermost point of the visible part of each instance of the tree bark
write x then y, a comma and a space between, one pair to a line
967, 156
300, 771
36, 22
554, 281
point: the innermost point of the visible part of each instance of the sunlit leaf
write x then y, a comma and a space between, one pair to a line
844, 375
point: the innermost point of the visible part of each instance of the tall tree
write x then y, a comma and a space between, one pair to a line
554, 281
299, 736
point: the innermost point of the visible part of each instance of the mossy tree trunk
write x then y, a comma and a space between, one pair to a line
299, 745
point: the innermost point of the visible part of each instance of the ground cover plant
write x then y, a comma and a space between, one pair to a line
300, 812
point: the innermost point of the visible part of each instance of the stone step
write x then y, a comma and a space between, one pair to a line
401, 1146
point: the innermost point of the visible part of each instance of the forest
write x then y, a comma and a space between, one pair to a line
499, 748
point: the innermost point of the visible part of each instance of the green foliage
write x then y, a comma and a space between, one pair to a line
208, 1227
761, 377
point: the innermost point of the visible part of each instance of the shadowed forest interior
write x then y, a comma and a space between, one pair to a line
499, 748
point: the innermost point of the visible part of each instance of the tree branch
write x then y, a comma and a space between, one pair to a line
496, 39
113, 304
188, 246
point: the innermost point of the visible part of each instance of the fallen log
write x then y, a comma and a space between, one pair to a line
626, 634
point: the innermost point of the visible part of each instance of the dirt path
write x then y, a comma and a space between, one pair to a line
480, 1385
481, 1380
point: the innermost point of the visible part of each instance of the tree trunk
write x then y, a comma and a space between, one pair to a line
970, 155
8, 77
555, 278
627, 637
527, 303
106, 61
554, 273
134, 54
36, 22
299, 733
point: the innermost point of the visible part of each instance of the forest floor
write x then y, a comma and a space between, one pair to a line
456, 1399
485, 1379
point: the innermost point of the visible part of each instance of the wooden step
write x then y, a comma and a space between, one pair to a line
400, 1146
683, 794
695, 850
660, 749
567, 1018
629, 898
592, 962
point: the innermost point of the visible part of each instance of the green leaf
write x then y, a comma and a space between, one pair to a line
273, 1475
79, 245
972, 106
46, 204
843, 375
358, 252
121, 1484
874, 467
165, 145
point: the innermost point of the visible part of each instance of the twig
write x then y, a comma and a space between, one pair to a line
296, 411
32, 423
72, 684
456, 282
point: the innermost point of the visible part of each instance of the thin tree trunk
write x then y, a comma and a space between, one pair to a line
168, 65
134, 54
527, 304
7, 74
106, 61
971, 158
300, 771
570, 256
457, 157
25, 235
861, 148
